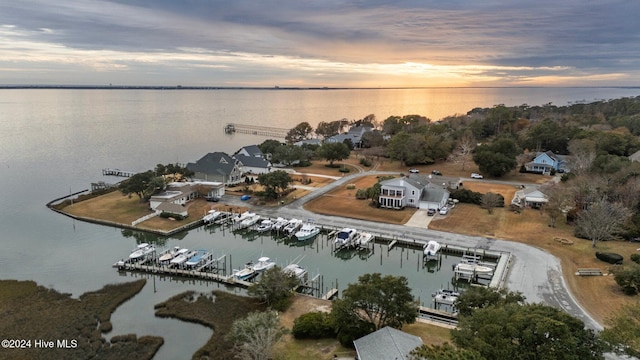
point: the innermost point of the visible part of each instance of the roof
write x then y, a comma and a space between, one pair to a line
172, 208
403, 182
218, 163
433, 194
251, 150
386, 343
252, 161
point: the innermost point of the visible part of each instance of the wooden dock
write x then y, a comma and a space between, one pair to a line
117, 172
232, 128
166, 270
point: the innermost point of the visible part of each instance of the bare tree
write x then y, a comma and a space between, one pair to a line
466, 144
602, 221
255, 335
583, 153
558, 201
491, 200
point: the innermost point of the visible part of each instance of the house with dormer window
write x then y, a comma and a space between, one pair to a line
431, 192
217, 166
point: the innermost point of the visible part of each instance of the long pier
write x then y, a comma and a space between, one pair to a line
232, 128
117, 172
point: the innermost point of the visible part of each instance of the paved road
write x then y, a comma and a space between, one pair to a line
534, 272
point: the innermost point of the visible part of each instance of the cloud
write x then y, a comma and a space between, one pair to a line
337, 43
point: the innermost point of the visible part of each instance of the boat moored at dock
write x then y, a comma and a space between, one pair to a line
264, 263
345, 236
431, 250
141, 251
308, 231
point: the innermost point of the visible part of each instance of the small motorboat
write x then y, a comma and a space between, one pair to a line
182, 257
307, 231
245, 273
279, 224
446, 296
243, 216
345, 236
363, 238
292, 226
264, 263
295, 270
141, 250
432, 248
211, 216
473, 268
170, 254
265, 225
250, 221
196, 258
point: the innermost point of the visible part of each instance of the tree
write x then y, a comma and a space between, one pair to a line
557, 201
289, 154
334, 152
299, 132
628, 278
443, 352
142, 184
491, 200
274, 181
498, 158
372, 139
602, 221
530, 331
583, 152
464, 148
275, 288
623, 330
269, 146
255, 335
328, 129
480, 297
376, 300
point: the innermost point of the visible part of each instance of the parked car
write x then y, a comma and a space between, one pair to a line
444, 210
414, 170
436, 172
431, 212
245, 197
476, 176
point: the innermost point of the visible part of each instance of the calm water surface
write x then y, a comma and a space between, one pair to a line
54, 142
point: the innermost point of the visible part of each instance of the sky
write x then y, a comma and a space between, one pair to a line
306, 43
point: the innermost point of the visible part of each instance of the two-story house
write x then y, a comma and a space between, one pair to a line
217, 166
416, 191
546, 161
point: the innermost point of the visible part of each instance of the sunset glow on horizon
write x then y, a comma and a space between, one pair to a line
337, 44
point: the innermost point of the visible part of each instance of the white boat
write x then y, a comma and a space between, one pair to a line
473, 268
307, 231
182, 257
279, 224
141, 250
245, 273
250, 221
292, 226
345, 236
211, 216
265, 225
363, 238
432, 248
295, 270
264, 263
241, 217
446, 296
169, 254
196, 258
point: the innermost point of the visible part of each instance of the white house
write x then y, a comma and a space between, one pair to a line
250, 150
173, 199
416, 191
253, 165
529, 197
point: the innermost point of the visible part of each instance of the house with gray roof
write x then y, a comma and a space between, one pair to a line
430, 192
529, 197
250, 150
217, 166
386, 343
253, 164
354, 135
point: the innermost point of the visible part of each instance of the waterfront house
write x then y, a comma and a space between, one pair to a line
253, 164
250, 150
430, 192
217, 166
529, 197
386, 343
173, 199
545, 162
354, 135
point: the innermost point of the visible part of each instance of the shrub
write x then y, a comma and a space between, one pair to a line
361, 194
365, 162
313, 325
351, 186
611, 258
635, 258
344, 170
467, 196
628, 279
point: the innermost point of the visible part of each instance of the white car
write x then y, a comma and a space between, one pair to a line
476, 176
414, 171
444, 210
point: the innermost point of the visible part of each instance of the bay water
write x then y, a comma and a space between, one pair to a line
56, 141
